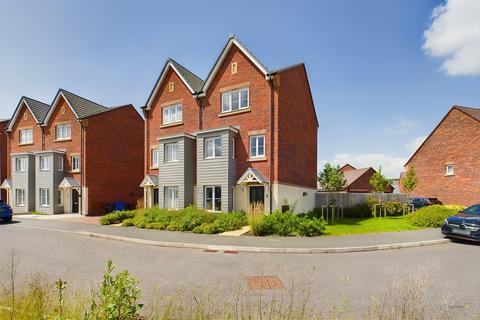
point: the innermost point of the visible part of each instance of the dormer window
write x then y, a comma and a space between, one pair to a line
235, 100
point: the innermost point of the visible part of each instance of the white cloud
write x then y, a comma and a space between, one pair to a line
455, 36
401, 126
391, 165
413, 145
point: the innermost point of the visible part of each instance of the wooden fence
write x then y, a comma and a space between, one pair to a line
352, 199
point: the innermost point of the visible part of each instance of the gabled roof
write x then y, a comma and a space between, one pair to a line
473, 113
252, 175
353, 175
38, 109
149, 180
69, 182
191, 81
81, 107
232, 41
6, 184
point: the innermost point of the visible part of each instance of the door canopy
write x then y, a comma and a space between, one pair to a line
6, 184
252, 175
69, 183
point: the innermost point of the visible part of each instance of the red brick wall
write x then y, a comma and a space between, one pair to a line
114, 158
64, 114
297, 130
14, 135
257, 119
455, 141
3, 156
154, 120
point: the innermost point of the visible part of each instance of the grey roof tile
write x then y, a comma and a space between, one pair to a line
39, 109
192, 79
82, 107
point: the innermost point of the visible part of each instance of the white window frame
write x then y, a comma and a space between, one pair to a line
449, 170
60, 163
171, 203
63, 131
228, 99
44, 163
17, 202
60, 197
26, 136
254, 146
172, 114
171, 152
75, 159
215, 153
155, 157
213, 199
20, 164
44, 194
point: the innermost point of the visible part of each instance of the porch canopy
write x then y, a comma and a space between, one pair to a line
69, 182
150, 180
252, 175
6, 184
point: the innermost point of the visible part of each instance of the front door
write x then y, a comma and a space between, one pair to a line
155, 197
75, 201
257, 194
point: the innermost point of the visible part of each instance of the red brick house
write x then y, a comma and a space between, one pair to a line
447, 164
73, 156
244, 135
358, 180
3, 155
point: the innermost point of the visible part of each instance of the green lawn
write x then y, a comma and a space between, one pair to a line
368, 225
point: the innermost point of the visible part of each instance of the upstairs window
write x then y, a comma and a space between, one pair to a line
172, 114
235, 100
44, 163
20, 164
63, 131
60, 164
155, 157
75, 163
26, 136
449, 170
171, 152
257, 146
213, 147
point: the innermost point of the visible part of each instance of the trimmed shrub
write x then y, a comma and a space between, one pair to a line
311, 227
117, 217
358, 211
394, 208
128, 223
432, 216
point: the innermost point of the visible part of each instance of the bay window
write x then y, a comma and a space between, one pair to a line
213, 198
213, 147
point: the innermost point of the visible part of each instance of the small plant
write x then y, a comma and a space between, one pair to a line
378, 182
117, 217
60, 287
118, 297
394, 208
256, 214
410, 181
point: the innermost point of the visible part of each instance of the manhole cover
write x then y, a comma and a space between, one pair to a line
264, 282
230, 251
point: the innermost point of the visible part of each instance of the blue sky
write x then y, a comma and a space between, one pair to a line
377, 92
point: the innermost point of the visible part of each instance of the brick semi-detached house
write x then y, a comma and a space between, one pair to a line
244, 135
447, 164
73, 156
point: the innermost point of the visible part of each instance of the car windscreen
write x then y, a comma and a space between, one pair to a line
475, 209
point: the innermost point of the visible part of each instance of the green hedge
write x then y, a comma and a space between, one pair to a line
432, 216
188, 219
288, 224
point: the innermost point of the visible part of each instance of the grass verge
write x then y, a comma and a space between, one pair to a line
368, 225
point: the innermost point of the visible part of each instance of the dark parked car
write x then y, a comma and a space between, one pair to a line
434, 201
6, 212
419, 202
464, 225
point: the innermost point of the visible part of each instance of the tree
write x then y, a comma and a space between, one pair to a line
410, 181
378, 182
332, 179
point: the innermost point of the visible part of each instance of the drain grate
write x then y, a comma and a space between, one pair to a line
210, 250
230, 251
264, 283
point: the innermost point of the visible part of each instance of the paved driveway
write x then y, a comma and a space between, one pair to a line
451, 268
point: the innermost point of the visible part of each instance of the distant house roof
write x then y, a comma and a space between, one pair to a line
81, 107
473, 113
352, 175
38, 109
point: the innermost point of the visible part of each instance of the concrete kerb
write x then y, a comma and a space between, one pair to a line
265, 249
